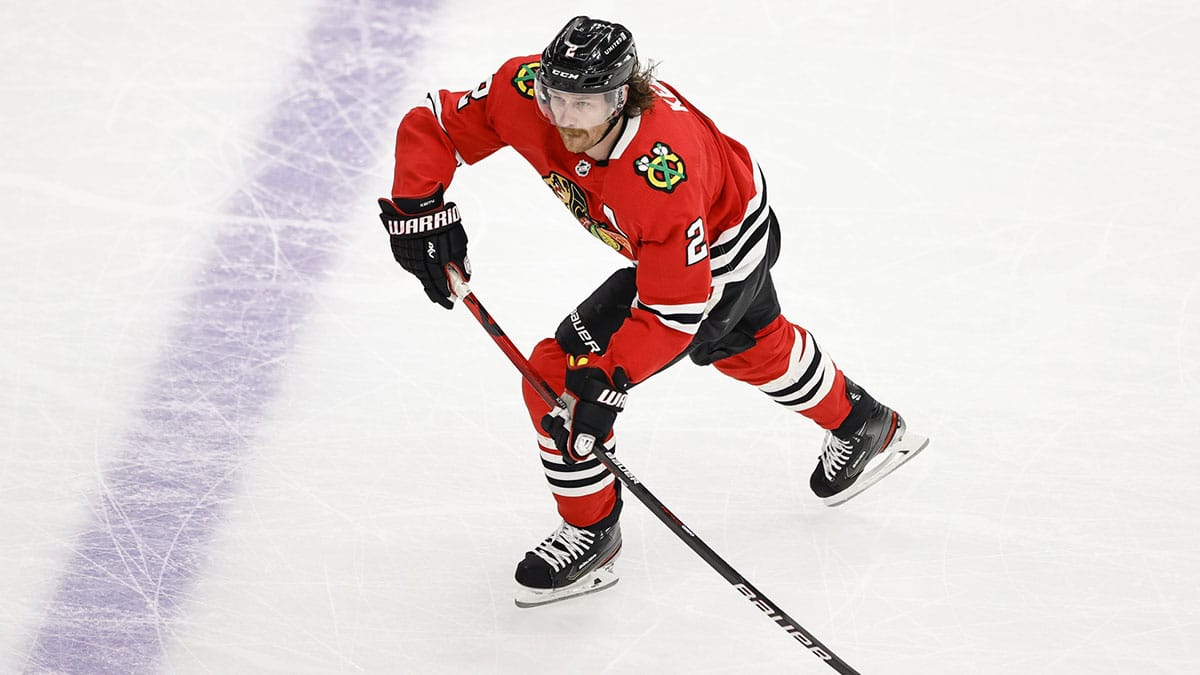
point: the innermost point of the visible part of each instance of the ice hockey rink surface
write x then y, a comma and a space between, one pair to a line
237, 438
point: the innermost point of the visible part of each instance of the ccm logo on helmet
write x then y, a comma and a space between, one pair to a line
564, 74
429, 223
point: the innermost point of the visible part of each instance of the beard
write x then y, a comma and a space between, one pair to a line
580, 140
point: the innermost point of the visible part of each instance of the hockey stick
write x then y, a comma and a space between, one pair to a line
631, 483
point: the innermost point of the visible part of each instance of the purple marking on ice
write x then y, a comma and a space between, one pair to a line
163, 496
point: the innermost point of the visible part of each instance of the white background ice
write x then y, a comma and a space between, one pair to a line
991, 219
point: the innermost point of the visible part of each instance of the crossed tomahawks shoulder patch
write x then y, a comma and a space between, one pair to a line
662, 168
523, 80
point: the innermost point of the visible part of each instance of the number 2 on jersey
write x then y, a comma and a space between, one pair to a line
697, 247
476, 93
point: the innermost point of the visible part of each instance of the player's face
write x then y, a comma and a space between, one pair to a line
581, 119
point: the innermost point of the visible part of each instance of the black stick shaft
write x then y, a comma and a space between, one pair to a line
631, 483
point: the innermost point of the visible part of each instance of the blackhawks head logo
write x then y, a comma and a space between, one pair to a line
523, 80
575, 199
662, 168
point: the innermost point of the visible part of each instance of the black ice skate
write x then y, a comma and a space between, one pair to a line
570, 562
854, 461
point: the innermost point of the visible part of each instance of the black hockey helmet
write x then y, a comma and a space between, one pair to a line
588, 56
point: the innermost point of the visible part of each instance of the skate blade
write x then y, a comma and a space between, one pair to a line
900, 452
599, 579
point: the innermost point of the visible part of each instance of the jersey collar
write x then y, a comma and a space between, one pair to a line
627, 134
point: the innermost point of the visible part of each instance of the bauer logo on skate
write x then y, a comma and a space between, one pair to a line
420, 224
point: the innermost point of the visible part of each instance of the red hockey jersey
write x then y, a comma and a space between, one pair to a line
676, 196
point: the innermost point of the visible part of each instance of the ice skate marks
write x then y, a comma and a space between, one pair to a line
896, 454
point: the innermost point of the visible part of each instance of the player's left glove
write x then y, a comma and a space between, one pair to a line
593, 401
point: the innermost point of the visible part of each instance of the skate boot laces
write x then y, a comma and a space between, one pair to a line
834, 455
565, 545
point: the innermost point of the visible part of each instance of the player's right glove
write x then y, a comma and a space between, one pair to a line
426, 235
593, 401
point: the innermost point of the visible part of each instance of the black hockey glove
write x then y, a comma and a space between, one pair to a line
593, 401
426, 236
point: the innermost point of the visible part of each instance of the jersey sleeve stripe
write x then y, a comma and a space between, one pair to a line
683, 309
683, 318
750, 254
739, 250
755, 209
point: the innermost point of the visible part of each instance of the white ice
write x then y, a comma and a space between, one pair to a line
991, 219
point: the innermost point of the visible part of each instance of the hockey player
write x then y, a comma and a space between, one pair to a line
653, 178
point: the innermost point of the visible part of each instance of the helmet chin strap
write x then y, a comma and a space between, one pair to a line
608, 130
612, 123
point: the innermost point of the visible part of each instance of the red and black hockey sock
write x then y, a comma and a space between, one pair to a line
787, 365
586, 492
